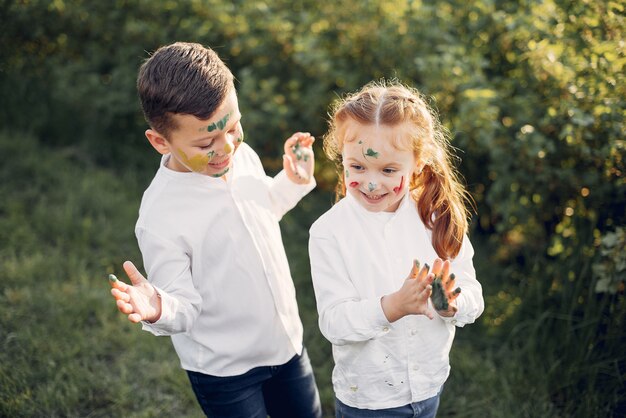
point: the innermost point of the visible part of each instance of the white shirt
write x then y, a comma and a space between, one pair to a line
356, 258
213, 250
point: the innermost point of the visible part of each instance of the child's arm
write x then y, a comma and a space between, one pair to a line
412, 297
344, 317
140, 301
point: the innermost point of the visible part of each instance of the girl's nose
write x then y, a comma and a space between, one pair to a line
371, 186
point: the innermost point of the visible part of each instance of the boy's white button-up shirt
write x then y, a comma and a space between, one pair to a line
213, 250
357, 257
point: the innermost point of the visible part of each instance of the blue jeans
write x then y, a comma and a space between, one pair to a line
284, 391
423, 409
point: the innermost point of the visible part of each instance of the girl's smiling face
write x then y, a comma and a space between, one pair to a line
378, 164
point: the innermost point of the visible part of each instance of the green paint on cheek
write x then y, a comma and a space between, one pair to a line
347, 174
196, 163
370, 153
221, 174
360, 142
211, 154
240, 139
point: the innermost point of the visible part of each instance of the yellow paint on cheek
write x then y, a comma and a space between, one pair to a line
197, 162
228, 148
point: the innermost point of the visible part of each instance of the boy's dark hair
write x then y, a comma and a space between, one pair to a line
181, 78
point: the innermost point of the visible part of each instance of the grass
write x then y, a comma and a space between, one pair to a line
65, 351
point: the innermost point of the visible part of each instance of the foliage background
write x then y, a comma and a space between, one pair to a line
533, 93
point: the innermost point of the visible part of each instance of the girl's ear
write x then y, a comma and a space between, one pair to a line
158, 141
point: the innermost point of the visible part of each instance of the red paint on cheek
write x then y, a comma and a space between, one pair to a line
354, 184
398, 189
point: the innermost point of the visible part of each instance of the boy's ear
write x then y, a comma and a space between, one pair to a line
158, 141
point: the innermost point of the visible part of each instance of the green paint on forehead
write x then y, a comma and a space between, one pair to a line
370, 153
220, 124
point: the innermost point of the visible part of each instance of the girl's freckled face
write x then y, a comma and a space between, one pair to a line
376, 167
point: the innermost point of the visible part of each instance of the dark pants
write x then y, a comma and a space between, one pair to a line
285, 391
423, 409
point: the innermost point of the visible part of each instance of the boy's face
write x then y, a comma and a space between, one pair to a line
377, 172
203, 146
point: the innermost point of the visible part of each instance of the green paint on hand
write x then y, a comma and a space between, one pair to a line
370, 153
297, 150
438, 295
112, 278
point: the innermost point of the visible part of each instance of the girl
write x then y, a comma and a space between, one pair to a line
403, 204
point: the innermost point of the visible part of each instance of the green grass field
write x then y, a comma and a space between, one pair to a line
65, 350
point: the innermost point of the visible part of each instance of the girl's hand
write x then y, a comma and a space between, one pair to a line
444, 293
412, 298
299, 160
140, 302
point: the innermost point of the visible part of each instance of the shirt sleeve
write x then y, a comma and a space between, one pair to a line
168, 270
344, 317
470, 303
285, 194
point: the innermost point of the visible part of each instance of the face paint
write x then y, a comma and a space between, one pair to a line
240, 139
228, 148
220, 124
371, 186
399, 188
354, 184
370, 153
221, 174
196, 163
347, 173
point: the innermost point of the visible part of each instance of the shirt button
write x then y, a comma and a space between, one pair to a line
416, 368
413, 332
453, 322
386, 329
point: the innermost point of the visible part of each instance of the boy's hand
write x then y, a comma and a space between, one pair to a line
140, 301
444, 293
299, 160
412, 298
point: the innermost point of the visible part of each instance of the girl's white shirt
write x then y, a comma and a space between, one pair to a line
213, 249
357, 257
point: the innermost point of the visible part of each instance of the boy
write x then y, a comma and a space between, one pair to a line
219, 282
